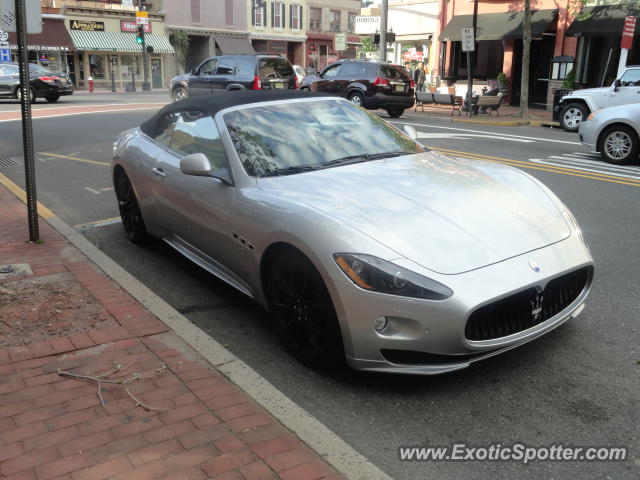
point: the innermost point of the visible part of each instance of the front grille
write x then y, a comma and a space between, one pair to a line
527, 308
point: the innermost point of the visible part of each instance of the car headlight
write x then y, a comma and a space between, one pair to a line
375, 274
592, 115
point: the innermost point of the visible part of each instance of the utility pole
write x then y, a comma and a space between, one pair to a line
146, 86
470, 58
384, 12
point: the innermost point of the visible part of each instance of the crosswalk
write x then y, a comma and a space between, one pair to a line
590, 162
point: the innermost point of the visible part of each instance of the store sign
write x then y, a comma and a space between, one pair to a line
43, 48
367, 25
142, 18
627, 33
276, 46
412, 54
131, 26
86, 25
340, 42
468, 43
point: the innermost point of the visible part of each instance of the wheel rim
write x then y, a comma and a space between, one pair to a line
617, 145
300, 309
128, 205
356, 99
573, 117
181, 94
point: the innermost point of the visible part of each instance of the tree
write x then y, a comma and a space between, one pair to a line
526, 56
180, 42
366, 46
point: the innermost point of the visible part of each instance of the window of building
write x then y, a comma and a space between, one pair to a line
295, 17
127, 64
334, 20
195, 11
315, 19
351, 22
96, 65
258, 15
278, 14
228, 12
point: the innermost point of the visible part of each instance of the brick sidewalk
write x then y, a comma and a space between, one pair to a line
74, 318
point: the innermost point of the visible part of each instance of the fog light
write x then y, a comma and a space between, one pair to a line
380, 323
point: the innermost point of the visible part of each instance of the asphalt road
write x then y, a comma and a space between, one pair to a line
577, 385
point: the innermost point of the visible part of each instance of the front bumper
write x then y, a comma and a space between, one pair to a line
435, 330
52, 90
381, 100
588, 134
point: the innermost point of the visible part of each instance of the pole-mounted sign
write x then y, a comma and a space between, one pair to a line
468, 42
627, 32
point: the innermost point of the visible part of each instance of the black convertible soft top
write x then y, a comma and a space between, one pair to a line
212, 104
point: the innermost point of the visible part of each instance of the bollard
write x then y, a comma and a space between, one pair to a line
90, 80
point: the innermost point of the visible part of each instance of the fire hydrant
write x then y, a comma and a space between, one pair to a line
90, 80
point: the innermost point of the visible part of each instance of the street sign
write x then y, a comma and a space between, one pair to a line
4, 36
142, 20
8, 16
468, 42
340, 42
627, 33
5, 55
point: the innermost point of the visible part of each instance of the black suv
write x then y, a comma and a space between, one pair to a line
367, 83
235, 72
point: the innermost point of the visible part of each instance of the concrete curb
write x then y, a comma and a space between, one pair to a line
332, 448
508, 123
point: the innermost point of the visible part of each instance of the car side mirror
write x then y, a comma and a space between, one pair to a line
194, 71
198, 165
410, 131
616, 84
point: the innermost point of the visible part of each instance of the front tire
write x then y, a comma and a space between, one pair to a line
32, 95
572, 116
179, 93
619, 145
356, 98
52, 98
130, 213
303, 312
395, 112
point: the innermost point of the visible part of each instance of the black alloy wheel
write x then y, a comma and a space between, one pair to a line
132, 220
304, 313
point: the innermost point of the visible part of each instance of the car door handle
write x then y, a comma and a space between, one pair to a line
159, 172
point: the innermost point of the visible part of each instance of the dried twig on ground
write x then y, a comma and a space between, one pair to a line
124, 382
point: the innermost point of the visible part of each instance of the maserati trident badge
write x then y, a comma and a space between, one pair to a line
534, 266
536, 305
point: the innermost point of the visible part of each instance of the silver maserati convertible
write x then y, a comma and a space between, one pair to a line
363, 245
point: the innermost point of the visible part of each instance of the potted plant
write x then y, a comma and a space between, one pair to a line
503, 82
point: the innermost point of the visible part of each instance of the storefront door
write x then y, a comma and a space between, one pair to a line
156, 73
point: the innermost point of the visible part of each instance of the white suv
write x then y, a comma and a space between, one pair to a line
576, 107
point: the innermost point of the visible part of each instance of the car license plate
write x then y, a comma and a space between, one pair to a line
278, 85
399, 88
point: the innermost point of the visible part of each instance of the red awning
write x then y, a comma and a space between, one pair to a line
54, 37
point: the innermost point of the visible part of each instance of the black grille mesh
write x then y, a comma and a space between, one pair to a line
514, 314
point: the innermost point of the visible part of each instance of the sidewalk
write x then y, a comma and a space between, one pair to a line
60, 312
508, 116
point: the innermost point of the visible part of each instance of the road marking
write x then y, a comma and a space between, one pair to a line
98, 223
43, 211
92, 190
585, 169
106, 189
537, 166
468, 136
75, 159
485, 133
599, 164
117, 110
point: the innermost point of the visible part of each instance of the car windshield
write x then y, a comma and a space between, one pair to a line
38, 70
293, 137
394, 72
275, 68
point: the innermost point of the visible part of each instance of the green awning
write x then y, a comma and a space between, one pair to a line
601, 21
118, 42
496, 26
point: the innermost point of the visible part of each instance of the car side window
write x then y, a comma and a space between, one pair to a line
631, 78
331, 72
209, 68
226, 66
165, 129
350, 69
8, 70
245, 66
196, 132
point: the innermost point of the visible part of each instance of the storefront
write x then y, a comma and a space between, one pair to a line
49, 48
107, 51
290, 46
321, 51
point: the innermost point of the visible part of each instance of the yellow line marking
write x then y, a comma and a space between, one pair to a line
75, 159
43, 211
548, 168
96, 222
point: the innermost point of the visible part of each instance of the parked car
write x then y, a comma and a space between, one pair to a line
300, 73
235, 72
364, 245
614, 132
574, 108
368, 84
43, 83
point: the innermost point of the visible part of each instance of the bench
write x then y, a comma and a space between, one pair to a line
423, 98
489, 103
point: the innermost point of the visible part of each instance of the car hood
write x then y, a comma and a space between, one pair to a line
588, 91
447, 215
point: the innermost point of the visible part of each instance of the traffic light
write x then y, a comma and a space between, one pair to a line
140, 35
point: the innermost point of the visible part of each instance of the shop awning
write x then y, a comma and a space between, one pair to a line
54, 37
233, 45
601, 21
118, 42
496, 26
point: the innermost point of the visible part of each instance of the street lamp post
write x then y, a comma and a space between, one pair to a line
146, 86
384, 11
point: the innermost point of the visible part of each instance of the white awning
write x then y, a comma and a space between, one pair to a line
118, 42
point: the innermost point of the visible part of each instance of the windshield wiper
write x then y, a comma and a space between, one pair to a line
364, 157
290, 170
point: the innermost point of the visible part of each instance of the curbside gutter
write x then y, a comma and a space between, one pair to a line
327, 444
508, 123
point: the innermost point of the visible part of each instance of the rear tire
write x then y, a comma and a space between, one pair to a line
179, 93
305, 89
303, 312
130, 213
619, 145
572, 116
395, 112
52, 98
356, 98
